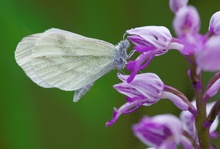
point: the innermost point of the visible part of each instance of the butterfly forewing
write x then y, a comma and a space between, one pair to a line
63, 59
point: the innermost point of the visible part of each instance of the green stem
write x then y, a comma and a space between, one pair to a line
202, 132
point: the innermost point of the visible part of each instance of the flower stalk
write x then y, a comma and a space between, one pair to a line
202, 132
198, 121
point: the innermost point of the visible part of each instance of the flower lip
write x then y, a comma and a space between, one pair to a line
140, 63
157, 130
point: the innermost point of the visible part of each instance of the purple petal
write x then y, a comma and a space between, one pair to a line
158, 36
208, 57
191, 42
139, 41
127, 90
212, 87
169, 121
124, 109
186, 143
140, 63
131, 65
148, 84
186, 21
144, 48
132, 110
132, 75
156, 131
214, 135
175, 5
188, 122
176, 100
168, 144
216, 121
214, 24
175, 44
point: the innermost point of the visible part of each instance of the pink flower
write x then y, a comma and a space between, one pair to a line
145, 90
186, 21
161, 132
150, 41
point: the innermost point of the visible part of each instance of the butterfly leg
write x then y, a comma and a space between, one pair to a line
131, 53
82, 91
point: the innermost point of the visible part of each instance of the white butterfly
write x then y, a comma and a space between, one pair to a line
68, 61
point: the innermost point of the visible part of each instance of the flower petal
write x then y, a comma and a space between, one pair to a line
208, 57
214, 24
186, 21
147, 84
156, 131
175, 99
157, 36
175, 5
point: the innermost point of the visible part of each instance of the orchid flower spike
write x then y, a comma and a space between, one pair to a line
150, 41
146, 89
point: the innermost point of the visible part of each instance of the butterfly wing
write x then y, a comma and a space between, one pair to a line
64, 60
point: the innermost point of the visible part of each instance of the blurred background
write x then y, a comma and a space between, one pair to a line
32, 117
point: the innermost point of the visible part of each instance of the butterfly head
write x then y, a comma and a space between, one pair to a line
121, 54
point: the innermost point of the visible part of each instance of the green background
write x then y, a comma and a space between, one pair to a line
32, 117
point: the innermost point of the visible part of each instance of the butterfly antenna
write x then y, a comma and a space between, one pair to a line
131, 53
140, 71
124, 36
120, 71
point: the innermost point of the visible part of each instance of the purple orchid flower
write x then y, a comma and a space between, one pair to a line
186, 24
146, 89
150, 41
186, 21
159, 132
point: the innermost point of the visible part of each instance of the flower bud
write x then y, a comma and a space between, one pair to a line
214, 24
175, 5
186, 21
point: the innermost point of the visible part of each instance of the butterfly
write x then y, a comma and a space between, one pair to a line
68, 61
